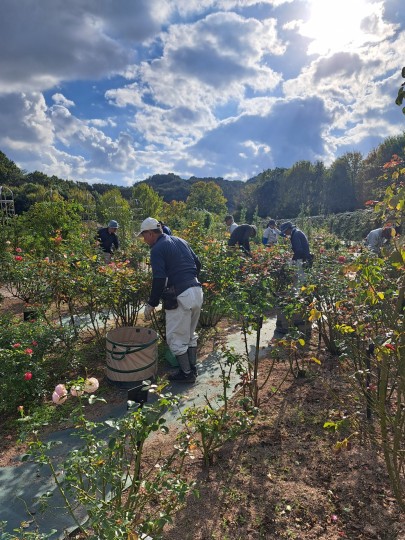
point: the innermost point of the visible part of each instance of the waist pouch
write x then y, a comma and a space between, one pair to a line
169, 298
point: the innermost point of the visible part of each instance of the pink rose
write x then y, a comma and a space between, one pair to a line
57, 399
76, 391
60, 389
28, 351
16, 345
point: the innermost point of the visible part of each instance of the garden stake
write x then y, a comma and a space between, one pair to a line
259, 323
369, 354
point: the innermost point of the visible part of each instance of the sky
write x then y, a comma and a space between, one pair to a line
114, 91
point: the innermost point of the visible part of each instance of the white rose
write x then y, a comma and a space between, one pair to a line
90, 385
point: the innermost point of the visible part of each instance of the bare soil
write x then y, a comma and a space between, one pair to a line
284, 479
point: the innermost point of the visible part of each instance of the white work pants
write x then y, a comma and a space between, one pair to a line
182, 321
300, 277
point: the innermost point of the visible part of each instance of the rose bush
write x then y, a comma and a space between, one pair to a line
31, 355
107, 474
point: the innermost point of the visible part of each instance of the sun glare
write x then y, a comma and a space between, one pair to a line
335, 25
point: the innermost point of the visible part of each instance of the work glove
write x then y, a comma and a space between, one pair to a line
148, 312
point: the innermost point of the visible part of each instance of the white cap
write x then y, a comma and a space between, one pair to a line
149, 224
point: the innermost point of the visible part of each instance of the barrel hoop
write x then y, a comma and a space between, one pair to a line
131, 370
129, 349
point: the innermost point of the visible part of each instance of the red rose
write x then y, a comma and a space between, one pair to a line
18, 258
16, 345
342, 259
28, 376
28, 351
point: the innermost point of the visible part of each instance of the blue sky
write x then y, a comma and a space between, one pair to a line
118, 90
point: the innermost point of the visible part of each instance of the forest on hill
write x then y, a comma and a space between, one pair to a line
306, 187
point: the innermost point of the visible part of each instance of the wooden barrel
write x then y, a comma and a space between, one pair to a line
131, 355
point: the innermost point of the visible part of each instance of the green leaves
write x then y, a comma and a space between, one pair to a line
401, 92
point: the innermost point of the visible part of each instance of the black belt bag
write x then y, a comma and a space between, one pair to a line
169, 298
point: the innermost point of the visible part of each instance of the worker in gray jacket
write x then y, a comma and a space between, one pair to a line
376, 238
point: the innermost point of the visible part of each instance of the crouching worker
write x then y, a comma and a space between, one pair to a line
175, 270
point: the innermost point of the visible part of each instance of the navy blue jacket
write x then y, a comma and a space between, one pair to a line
299, 244
107, 240
172, 258
241, 236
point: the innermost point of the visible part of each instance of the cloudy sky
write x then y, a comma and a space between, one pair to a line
118, 90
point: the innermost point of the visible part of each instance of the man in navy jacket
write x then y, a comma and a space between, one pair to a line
175, 266
300, 247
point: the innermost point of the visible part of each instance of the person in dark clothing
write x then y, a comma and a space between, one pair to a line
300, 247
299, 242
176, 267
108, 239
165, 228
241, 236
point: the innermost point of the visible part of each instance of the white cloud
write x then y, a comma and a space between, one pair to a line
206, 88
46, 42
130, 95
213, 60
59, 99
190, 7
24, 122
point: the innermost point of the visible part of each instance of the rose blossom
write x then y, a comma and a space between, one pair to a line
28, 351
57, 399
18, 258
76, 391
60, 389
90, 385
16, 345
28, 376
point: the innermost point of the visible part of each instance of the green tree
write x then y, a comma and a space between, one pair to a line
207, 196
146, 202
341, 194
112, 205
10, 174
401, 92
48, 224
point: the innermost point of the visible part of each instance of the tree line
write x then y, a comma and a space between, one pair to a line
281, 193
